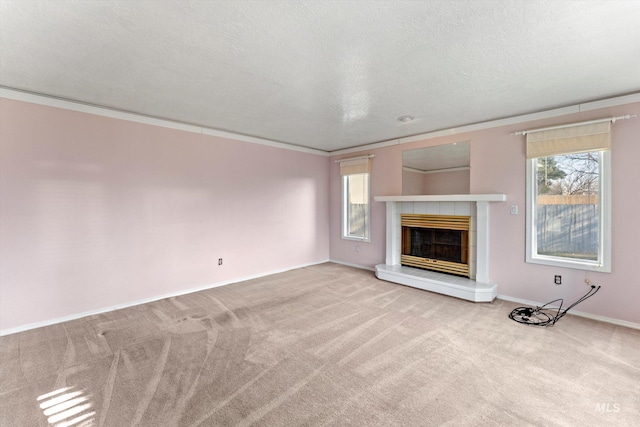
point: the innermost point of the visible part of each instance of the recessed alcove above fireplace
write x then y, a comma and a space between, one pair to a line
477, 286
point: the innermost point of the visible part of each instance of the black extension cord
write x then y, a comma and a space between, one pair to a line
543, 316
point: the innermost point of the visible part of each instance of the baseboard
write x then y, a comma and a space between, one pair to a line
348, 264
57, 320
578, 313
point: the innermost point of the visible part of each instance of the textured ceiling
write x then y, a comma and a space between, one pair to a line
323, 74
439, 157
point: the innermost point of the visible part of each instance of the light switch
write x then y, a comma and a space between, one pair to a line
514, 209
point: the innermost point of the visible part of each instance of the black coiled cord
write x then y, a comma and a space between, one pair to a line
543, 316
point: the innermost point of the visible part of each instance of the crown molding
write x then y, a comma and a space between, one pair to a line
35, 98
49, 101
557, 112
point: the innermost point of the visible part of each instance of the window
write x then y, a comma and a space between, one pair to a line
355, 198
568, 197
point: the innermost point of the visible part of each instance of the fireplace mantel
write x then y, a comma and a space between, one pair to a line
480, 289
444, 198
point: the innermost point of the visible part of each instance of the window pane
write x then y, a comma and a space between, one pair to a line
567, 211
357, 188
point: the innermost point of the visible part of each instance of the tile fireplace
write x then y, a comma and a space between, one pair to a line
468, 213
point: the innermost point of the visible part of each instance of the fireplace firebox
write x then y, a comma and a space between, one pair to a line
436, 242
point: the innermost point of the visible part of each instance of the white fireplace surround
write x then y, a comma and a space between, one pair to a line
479, 288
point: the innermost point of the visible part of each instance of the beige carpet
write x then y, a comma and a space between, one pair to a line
326, 345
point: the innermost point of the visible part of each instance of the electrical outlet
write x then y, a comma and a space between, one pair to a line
557, 279
219, 261
357, 248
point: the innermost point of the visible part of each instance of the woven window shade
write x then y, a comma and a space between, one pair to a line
358, 189
573, 139
351, 167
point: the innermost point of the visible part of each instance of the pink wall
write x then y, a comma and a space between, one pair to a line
498, 166
414, 183
97, 212
457, 182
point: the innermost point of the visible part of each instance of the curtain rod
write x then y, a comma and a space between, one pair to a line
368, 156
610, 119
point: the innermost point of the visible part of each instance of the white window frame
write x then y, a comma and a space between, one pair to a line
345, 211
603, 264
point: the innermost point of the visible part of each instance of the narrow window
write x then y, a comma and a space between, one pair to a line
355, 199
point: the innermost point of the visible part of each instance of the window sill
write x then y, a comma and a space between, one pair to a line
567, 263
356, 239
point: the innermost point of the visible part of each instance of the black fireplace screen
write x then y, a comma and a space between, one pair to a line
435, 243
